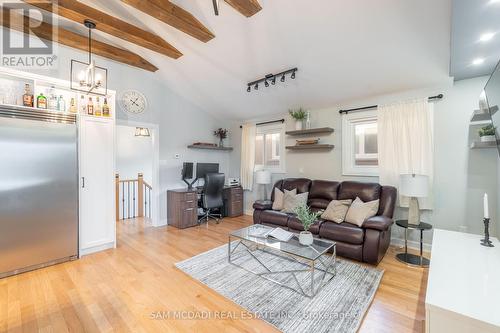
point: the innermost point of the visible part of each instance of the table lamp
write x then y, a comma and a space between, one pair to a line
263, 177
414, 186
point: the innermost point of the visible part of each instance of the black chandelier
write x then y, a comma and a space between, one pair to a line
271, 78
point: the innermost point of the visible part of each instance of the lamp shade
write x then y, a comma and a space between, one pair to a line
413, 185
263, 177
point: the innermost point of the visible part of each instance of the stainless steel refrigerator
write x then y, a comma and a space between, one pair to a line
38, 189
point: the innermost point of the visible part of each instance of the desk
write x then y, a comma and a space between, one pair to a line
182, 205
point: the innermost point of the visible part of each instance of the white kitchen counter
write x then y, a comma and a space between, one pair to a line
463, 290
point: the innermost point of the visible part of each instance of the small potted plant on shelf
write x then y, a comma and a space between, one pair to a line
487, 133
307, 218
221, 133
299, 116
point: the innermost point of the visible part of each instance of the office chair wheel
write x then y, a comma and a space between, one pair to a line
216, 221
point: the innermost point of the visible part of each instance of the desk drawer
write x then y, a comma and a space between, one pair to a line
189, 204
189, 196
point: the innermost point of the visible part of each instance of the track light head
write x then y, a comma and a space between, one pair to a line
266, 83
256, 87
273, 81
293, 75
248, 89
282, 78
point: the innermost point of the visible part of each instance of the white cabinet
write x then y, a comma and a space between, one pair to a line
463, 289
97, 196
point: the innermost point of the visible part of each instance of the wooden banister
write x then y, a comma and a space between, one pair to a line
127, 198
117, 196
140, 194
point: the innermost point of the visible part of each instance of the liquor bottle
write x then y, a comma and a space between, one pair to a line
27, 97
52, 99
105, 108
97, 109
72, 105
41, 101
90, 107
61, 104
83, 105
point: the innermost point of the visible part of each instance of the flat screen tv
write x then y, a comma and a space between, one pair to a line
490, 101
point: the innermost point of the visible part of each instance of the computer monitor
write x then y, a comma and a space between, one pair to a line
187, 173
203, 168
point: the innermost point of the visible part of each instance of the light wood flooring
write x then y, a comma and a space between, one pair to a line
119, 290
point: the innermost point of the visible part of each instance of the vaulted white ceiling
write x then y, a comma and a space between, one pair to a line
344, 50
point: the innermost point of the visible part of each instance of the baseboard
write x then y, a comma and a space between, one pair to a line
411, 244
162, 223
97, 248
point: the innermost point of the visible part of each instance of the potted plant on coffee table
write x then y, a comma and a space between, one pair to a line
487, 133
299, 116
307, 218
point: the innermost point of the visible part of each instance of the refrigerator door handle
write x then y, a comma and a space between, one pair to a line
83, 182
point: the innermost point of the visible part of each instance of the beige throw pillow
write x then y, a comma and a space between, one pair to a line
278, 198
292, 201
336, 210
360, 211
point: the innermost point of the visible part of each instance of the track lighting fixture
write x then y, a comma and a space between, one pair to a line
272, 78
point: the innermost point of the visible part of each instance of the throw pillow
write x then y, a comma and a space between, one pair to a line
360, 211
278, 198
336, 210
292, 201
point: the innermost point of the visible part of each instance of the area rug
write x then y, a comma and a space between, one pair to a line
338, 307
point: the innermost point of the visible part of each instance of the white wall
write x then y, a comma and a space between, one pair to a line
134, 154
461, 175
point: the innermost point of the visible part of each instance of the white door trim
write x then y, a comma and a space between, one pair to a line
155, 136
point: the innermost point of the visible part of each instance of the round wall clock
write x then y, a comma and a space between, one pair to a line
133, 102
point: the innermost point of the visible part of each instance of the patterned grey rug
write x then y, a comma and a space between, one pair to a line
338, 307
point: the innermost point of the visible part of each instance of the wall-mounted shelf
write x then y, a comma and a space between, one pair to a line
210, 147
483, 145
322, 130
483, 117
309, 147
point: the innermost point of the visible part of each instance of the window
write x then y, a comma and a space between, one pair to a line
269, 148
359, 144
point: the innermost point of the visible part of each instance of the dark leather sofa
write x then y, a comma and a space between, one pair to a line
367, 244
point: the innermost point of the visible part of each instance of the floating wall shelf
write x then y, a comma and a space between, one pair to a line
483, 145
308, 147
322, 130
481, 117
210, 147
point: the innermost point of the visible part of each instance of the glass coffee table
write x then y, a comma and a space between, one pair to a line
296, 262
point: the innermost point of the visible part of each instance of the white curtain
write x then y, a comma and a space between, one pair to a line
247, 155
405, 144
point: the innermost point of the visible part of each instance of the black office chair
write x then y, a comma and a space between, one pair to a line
212, 196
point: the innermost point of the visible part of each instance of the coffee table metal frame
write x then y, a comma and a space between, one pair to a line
253, 246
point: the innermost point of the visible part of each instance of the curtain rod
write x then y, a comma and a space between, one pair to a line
374, 106
269, 122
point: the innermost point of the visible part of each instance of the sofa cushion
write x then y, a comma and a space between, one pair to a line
295, 224
360, 211
262, 204
292, 201
342, 232
365, 191
279, 197
322, 192
301, 184
336, 210
277, 185
274, 217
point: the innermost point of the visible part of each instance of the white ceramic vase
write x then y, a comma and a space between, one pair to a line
305, 238
488, 138
298, 125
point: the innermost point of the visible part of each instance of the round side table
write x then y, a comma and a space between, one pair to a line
408, 258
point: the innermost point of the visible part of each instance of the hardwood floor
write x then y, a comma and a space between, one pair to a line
119, 290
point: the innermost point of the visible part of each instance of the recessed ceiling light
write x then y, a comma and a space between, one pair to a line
478, 61
486, 37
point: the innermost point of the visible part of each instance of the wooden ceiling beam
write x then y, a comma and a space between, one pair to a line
44, 30
174, 16
78, 12
245, 7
